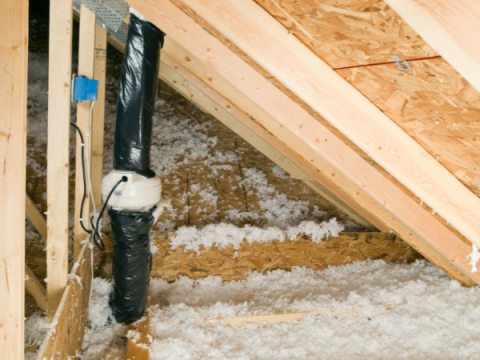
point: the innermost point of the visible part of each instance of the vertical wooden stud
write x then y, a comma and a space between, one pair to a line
98, 120
13, 144
58, 147
86, 55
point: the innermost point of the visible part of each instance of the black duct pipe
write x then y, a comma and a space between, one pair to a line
131, 264
131, 260
136, 97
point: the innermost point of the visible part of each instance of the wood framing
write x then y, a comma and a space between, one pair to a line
86, 56
234, 264
211, 102
451, 27
35, 217
330, 156
266, 319
35, 288
265, 40
58, 149
98, 115
13, 145
139, 339
64, 339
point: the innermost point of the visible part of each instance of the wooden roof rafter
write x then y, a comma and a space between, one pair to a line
290, 61
409, 219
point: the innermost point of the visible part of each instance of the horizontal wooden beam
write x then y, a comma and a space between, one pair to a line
451, 27
330, 156
267, 42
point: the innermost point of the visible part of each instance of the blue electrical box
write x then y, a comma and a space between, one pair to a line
84, 89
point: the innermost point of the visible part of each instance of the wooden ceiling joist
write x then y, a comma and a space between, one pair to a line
451, 27
331, 157
265, 40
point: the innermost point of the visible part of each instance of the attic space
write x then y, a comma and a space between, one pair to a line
239, 179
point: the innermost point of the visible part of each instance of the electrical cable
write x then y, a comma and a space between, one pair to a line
88, 136
95, 233
84, 180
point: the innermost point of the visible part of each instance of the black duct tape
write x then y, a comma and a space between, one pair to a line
131, 264
136, 97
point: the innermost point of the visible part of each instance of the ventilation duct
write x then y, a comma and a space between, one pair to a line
133, 190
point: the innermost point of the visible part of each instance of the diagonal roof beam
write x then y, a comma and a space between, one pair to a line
451, 27
334, 159
209, 101
267, 42
212, 103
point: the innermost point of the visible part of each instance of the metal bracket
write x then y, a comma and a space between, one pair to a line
402, 64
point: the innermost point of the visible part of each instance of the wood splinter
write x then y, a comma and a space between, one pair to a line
280, 317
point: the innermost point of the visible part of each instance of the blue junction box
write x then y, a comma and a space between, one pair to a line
84, 89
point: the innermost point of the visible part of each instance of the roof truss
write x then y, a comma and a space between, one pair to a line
327, 153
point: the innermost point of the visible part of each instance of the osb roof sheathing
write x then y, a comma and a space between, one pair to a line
374, 53
431, 102
349, 32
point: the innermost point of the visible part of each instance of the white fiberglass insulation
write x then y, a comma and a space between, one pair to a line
432, 317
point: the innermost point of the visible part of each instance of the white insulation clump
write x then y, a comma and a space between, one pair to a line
474, 256
222, 235
431, 316
100, 341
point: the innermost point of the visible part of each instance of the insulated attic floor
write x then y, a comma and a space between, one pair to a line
212, 176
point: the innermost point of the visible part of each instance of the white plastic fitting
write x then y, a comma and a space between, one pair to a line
137, 194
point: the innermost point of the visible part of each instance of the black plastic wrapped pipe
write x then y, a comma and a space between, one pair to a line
131, 264
136, 97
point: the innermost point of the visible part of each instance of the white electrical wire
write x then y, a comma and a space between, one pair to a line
88, 160
89, 179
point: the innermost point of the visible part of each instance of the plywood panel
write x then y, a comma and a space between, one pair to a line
203, 72
64, 339
451, 27
233, 264
434, 105
234, 70
349, 32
